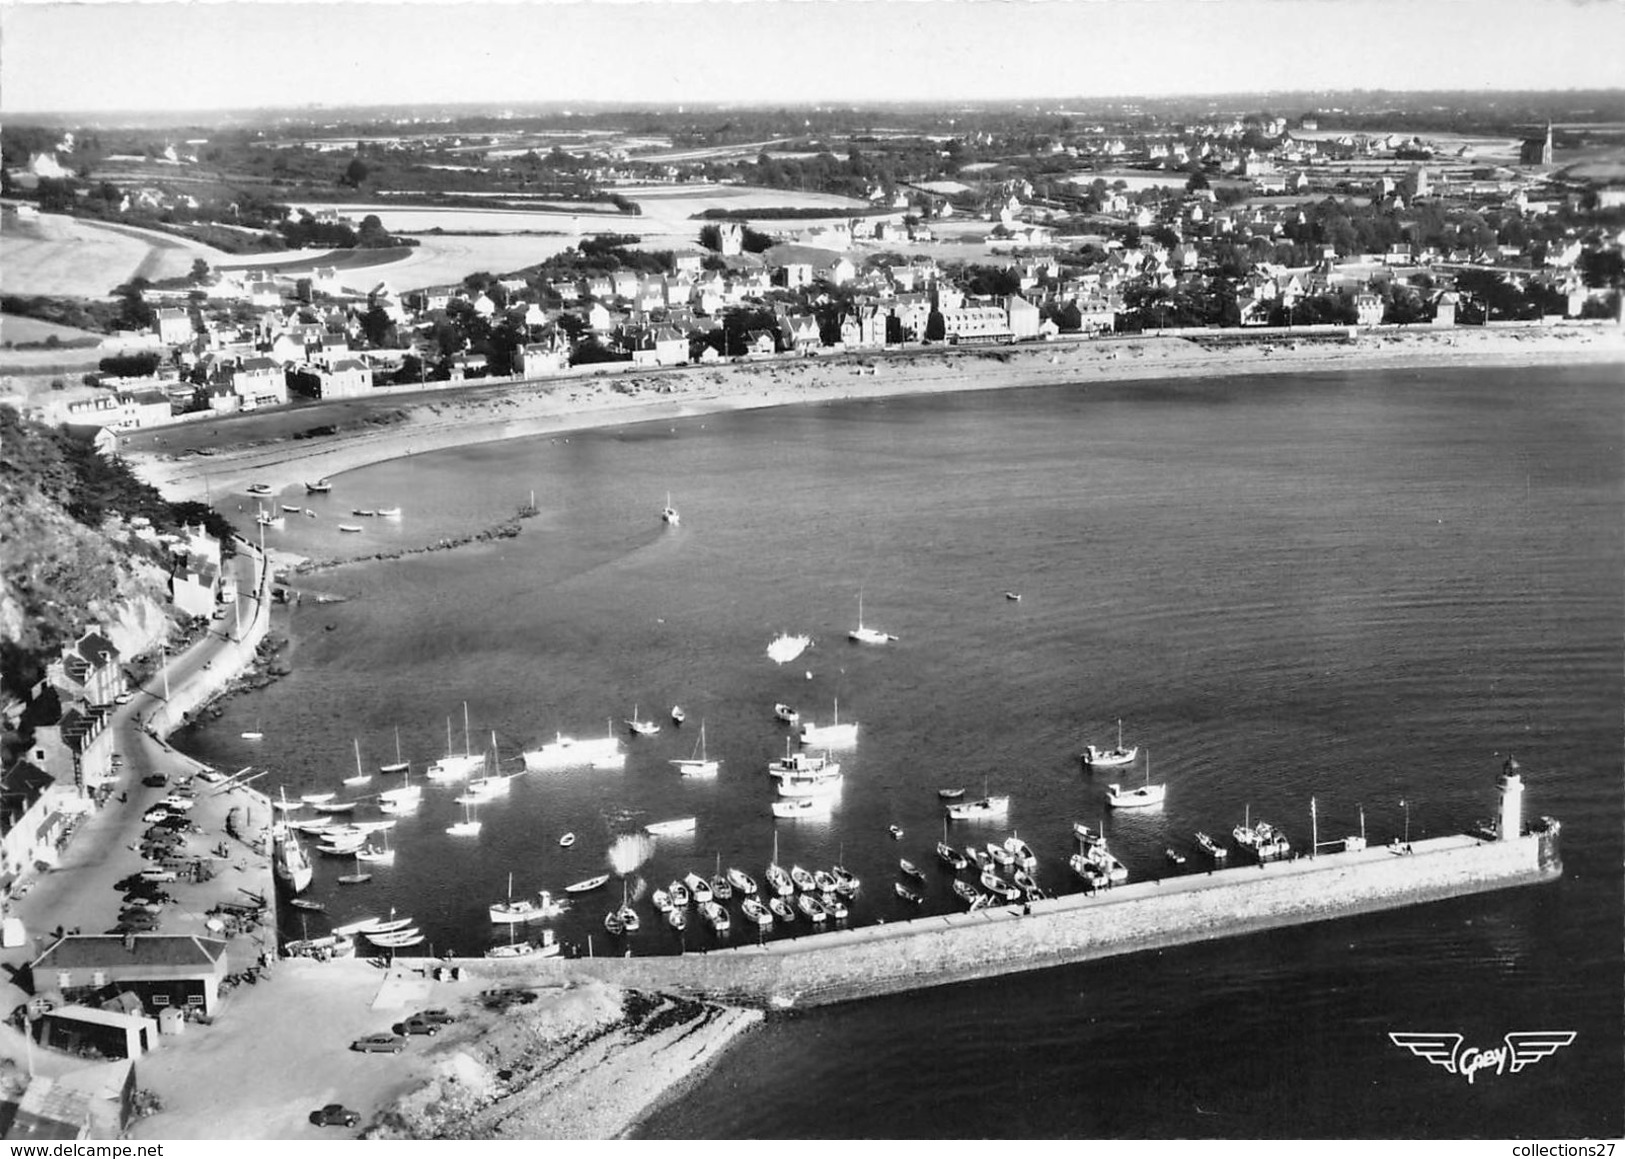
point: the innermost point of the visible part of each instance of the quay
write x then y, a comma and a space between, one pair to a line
844, 965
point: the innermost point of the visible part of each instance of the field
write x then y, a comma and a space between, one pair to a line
17, 329
67, 257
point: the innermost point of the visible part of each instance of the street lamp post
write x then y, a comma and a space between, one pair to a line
1407, 806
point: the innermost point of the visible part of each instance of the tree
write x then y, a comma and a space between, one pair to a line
355, 172
200, 271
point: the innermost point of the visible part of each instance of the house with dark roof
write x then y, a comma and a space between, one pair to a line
162, 970
32, 819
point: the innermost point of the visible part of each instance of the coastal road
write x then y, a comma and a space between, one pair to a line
79, 893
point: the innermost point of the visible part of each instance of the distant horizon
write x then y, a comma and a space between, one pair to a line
244, 57
474, 106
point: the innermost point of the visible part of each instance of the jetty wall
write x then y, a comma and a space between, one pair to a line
230, 659
846, 964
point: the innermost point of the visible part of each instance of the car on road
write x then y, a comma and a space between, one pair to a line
379, 1044
155, 780
118, 760
417, 1024
335, 1115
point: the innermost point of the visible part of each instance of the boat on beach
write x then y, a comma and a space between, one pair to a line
319, 487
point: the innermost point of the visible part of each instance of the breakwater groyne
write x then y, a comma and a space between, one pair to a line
848, 964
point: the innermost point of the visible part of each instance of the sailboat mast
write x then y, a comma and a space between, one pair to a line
468, 747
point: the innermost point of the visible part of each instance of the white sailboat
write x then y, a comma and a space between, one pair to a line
384, 856
361, 777
639, 726
1111, 758
698, 765
455, 767
398, 766
863, 635
1139, 797
512, 912
669, 515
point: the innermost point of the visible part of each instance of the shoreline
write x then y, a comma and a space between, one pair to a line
253, 450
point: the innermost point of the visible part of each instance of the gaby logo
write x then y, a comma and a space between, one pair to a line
1522, 1048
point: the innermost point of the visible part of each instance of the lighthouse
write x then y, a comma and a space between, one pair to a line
1510, 787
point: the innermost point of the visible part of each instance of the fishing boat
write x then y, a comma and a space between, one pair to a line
950, 794
389, 512
846, 882
361, 777
567, 840
334, 807
909, 869
1021, 851
896, 832
588, 885
678, 892
832, 735
947, 854
397, 765
564, 752
802, 879
319, 487
863, 635
259, 488
677, 918
639, 727
981, 809
913, 897
743, 882
316, 798
698, 888
274, 520
781, 909
803, 764
756, 912
384, 856
698, 765
1246, 836
661, 900
669, 514
1272, 844
1174, 856
824, 881
306, 904
793, 807
351, 528
966, 892
999, 889
677, 714
834, 906
314, 827
370, 926
778, 880
812, 908
811, 784
1110, 758
670, 828
547, 946
613, 923
254, 733
513, 912
786, 714
469, 826
1024, 881
1211, 847
1000, 855
721, 888
1015, 596
291, 865
627, 915
716, 916
363, 512
407, 937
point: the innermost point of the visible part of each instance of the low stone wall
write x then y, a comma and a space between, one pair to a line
871, 960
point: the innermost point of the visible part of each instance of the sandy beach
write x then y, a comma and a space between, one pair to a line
262, 447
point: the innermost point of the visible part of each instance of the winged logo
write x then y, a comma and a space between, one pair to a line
1439, 1049
1530, 1046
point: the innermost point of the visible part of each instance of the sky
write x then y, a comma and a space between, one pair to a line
230, 54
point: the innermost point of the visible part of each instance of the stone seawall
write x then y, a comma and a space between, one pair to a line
856, 963
231, 658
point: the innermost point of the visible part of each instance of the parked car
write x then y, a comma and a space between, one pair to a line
335, 1115
438, 1016
155, 780
379, 1044
159, 875
417, 1024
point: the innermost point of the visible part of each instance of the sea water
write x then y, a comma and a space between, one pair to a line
1364, 590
